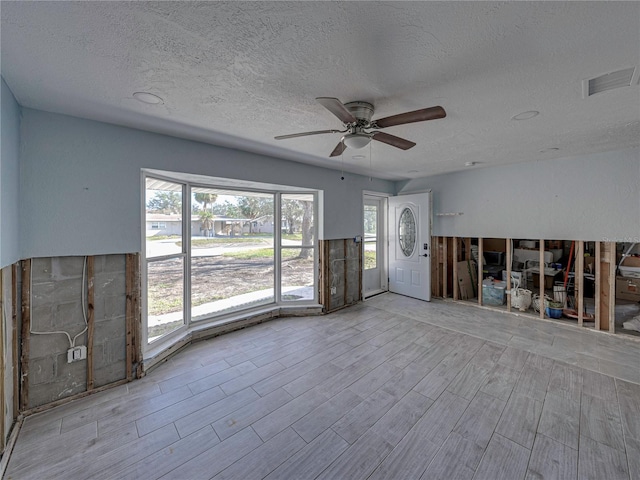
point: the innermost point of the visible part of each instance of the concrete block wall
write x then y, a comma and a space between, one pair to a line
57, 297
109, 344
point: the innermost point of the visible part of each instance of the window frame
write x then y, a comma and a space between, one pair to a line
189, 325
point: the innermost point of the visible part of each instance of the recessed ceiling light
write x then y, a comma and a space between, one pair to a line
358, 157
413, 171
526, 115
550, 149
149, 98
470, 164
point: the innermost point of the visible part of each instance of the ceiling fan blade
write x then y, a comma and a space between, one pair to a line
431, 113
336, 107
393, 140
341, 147
304, 134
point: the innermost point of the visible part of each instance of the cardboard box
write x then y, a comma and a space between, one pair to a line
628, 289
549, 280
631, 262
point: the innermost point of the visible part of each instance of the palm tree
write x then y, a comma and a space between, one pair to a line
206, 218
205, 198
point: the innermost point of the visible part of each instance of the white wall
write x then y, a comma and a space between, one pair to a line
593, 197
80, 183
9, 176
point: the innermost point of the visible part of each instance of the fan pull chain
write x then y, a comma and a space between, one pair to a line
370, 163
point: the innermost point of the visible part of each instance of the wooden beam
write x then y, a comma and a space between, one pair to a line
605, 286
480, 260
344, 272
445, 266
456, 293
26, 327
579, 281
129, 316
597, 288
438, 262
509, 261
2, 357
541, 267
15, 339
612, 286
467, 248
137, 317
360, 269
90, 318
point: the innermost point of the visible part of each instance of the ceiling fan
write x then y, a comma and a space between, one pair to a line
356, 118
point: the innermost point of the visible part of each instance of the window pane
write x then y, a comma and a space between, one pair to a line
165, 297
297, 269
232, 256
370, 255
163, 218
370, 236
297, 220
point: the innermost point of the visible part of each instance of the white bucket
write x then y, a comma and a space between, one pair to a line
560, 294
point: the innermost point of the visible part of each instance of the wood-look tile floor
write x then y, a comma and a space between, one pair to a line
393, 388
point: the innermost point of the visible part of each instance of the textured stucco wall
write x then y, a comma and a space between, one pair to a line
593, 197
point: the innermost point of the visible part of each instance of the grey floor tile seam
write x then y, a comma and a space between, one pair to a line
627, 450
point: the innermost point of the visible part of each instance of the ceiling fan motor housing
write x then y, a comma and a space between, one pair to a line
361, 110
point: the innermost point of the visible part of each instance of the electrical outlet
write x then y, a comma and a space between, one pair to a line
76, 353
333, 290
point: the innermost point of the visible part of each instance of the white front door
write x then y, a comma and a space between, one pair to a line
409, 245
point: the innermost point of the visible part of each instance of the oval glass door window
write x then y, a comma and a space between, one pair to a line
407, 232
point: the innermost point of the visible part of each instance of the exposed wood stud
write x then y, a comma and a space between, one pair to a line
90, 319
137, 344
508, 243
26, 327
598, 293
480, 257
15, 339
129, 314
361, 270
579, 281
541, 268
344, 273
456, 294
445, 266
611, 250
2, 357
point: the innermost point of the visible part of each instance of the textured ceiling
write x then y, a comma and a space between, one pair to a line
239, 73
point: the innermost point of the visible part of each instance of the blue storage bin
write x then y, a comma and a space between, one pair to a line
493, 292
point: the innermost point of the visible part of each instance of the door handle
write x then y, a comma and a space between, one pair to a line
424, 255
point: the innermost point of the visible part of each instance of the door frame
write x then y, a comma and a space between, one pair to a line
383, 242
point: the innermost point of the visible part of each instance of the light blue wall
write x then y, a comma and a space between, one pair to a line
81, 191
9, 176
593, 197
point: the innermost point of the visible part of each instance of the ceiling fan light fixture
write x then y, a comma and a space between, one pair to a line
356, 140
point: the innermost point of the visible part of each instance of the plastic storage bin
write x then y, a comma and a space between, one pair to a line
493, 292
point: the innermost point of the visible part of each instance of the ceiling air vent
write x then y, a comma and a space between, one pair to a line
609, 81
